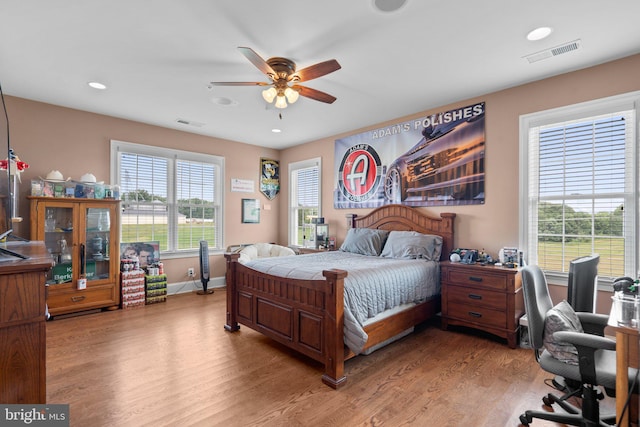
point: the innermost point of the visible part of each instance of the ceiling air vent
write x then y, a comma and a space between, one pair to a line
189, 123
554, 51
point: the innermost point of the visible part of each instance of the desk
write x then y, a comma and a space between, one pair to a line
22, 324
627, 340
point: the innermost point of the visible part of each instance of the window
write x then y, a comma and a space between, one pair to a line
304, 201
578, 170
170, 196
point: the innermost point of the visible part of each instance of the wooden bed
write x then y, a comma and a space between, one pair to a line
308, 315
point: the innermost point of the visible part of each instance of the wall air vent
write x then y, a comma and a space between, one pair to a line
554, 51
189, 123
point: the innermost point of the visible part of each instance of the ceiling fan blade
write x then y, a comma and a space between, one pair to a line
318, 70
257, 60
314, 94
240, 83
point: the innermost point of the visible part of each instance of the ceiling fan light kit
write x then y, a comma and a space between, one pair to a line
291, 94
280, 102
280, 94
282, 72
269, 94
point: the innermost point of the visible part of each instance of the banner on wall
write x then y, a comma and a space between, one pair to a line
269, 177
431, 161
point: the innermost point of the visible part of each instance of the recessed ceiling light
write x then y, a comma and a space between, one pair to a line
275, 130
539, 33
97, 85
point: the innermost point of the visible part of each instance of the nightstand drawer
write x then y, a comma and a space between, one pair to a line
479, 315
478, 278
480, 297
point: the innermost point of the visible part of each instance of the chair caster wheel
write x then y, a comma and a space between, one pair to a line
525, 420
548, 402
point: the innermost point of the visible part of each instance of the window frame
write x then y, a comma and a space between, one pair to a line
173, 156
292, 220
586, 111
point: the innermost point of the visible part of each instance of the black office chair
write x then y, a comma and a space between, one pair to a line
596, 356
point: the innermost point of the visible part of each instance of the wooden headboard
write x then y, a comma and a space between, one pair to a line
404, 218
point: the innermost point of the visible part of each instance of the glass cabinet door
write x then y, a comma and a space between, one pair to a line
58, 238
97, 257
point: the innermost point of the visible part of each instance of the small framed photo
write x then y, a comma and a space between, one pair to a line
250, 211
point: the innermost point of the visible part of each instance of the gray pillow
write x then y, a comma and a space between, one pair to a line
561, 318
364, 241
412, 245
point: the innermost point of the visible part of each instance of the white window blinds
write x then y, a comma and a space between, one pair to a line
144, 186
306, 183
304, 201
196, 201
582, 197
170, 196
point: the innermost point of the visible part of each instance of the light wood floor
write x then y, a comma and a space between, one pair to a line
172, 364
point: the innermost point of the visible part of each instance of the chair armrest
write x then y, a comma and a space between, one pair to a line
579, 339
587, 345
593, 323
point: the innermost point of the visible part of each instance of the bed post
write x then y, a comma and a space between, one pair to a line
334, 323
351, 220
232, 306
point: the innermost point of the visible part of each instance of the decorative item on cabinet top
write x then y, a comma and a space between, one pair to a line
88, 187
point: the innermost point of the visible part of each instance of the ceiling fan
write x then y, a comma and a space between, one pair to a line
284, 78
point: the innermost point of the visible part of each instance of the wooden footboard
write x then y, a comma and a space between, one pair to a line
305, 315
308, 315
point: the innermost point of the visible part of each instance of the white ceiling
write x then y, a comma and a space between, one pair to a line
157, 57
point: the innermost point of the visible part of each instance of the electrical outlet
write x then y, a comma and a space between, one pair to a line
191, 272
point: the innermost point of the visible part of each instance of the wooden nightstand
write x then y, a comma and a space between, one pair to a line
484, 297
302, 251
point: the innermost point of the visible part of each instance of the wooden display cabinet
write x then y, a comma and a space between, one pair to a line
82, 235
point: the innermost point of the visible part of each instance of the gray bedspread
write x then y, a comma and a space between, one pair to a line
373, 285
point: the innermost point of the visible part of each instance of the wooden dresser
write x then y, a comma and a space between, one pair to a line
484, 297
22, 324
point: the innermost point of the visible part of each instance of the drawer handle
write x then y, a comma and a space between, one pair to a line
475, 279
475, 314
475, 296
78, 298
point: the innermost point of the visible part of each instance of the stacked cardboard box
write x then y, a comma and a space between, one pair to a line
132, 288
156, 288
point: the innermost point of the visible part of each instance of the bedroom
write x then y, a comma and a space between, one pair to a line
490, 226
54, 137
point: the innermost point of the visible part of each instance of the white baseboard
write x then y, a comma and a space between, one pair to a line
194, 285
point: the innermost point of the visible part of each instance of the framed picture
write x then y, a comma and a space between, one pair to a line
250, 211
